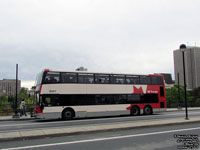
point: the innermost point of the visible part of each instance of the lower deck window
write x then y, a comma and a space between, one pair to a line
76, 100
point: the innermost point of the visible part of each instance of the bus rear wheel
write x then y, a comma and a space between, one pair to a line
135, 111
68, 114
148, 110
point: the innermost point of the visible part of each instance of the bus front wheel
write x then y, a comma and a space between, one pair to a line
68, 114
135, 111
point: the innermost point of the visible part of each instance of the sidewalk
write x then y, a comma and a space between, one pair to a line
28, 117
10, 118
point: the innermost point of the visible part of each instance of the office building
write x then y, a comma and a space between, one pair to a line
8, 87
192, 66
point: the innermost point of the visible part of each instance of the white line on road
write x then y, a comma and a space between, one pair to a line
99, 139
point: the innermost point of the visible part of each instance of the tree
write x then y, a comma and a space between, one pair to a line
7, 102
4, 104
22, 95
172, 96
195, 94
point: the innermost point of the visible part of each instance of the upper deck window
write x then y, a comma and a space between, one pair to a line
68, 77
52, 77
85, 78
157, 80
130, 79
101, 78
145, 80
118, 79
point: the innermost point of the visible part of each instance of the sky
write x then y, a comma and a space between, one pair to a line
123, 36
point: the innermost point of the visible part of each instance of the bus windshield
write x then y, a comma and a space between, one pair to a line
39, 78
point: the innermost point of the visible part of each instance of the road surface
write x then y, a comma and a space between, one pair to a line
152, 138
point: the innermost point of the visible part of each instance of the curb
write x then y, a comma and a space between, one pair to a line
182, 109
28, 134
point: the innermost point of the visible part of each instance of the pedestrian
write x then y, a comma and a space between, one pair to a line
22, 108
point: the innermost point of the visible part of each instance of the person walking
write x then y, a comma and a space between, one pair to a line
22, 108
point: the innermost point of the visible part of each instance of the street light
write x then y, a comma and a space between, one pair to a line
15, 107
182, 47
179, 94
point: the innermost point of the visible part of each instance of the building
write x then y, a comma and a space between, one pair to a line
8, 87
192, 66
168, 80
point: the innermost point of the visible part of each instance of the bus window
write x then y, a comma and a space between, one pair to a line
52, 77
133, 98
118, 79
132, 79
68, 77
162, 93
85, 78
160, 80
39, 78
145, 80
101, 78
157, 80
119, 99
154, 80
51, 101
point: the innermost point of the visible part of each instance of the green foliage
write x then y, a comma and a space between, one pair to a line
7, 103
195, 97
23, 95
3, 100
173, 94
4, 104
173, 100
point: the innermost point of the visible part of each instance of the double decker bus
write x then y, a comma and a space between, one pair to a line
74, 94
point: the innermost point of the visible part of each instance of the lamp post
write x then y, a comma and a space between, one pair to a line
182, 47
179, 94
15, 107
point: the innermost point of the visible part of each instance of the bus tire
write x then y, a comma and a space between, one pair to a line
68, 114
135, 111
148, 110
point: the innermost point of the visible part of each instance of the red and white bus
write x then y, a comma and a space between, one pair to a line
74, 94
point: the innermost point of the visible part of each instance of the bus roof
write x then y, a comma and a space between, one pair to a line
62, 71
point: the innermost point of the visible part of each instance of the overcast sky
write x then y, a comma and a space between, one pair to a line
126, 36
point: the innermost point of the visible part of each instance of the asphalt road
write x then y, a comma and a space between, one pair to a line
152, 138
8, 126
